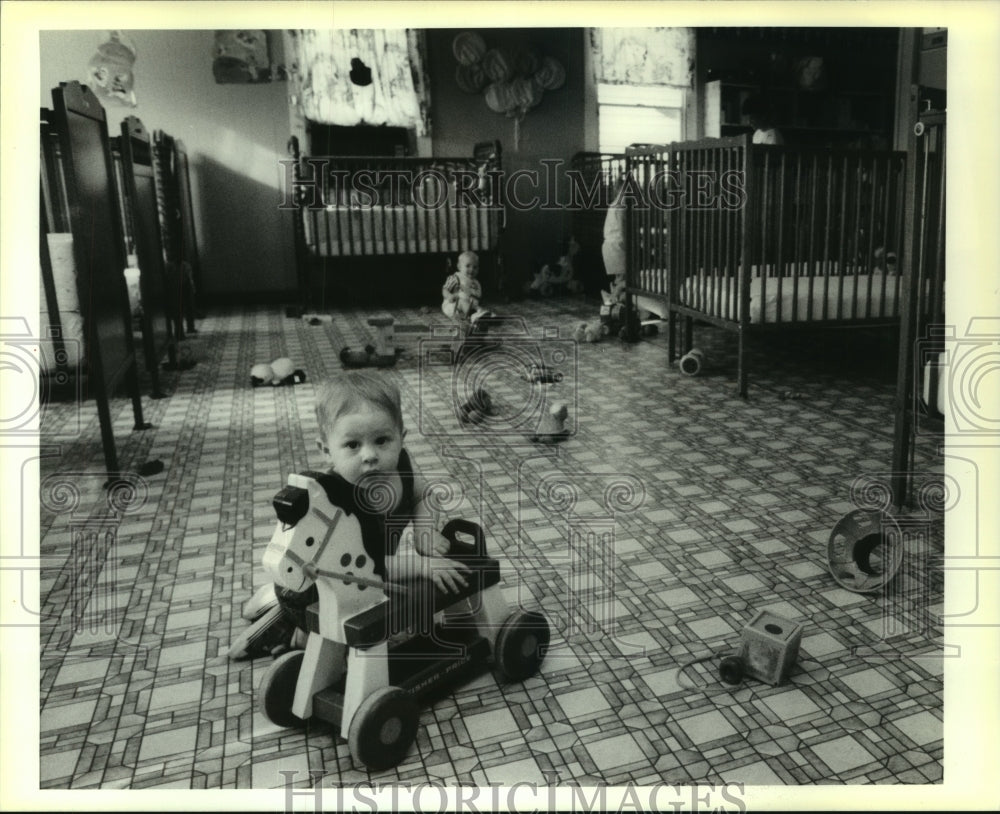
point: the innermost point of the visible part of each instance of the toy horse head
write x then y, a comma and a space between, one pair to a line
317, 541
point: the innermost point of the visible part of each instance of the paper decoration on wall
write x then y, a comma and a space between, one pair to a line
241, 57
512, 81
643, 56
109, 72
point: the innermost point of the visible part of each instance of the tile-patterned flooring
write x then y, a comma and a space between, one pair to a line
649, 538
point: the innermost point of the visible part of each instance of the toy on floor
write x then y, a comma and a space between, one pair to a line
557, 277
768, 652
614, 319
691, 363
552, 426
280, 372
382, 353
349, 674
477, 408
865, 550
588, 332
538, 373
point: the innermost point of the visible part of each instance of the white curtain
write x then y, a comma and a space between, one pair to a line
326, 64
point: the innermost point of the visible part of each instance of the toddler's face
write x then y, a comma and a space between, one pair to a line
362, 441
468, 266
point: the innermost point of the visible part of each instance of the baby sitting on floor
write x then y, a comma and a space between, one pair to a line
461, 290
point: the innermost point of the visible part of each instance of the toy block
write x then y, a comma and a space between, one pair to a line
770, 647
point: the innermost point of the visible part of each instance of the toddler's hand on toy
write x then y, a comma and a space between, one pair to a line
447, 575
430, 543
441, 545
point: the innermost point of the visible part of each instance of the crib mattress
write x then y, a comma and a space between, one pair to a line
70, 318
799, 299
385, 230
813, 299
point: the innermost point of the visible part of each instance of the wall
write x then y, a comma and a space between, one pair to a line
552, 130
234, 134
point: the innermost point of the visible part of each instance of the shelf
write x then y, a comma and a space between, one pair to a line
791, 128
761, 87
837, 113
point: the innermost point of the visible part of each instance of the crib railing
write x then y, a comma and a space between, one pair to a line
923, 331
827, 215
808, 234
384, 205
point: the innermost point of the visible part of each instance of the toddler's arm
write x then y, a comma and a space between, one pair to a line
449, 290
427, 539
430, 558
447, 575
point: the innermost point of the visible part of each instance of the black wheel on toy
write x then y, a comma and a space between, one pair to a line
277, 689
731, 669
521, 644
383, 728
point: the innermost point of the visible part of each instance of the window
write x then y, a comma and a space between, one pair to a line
638, 114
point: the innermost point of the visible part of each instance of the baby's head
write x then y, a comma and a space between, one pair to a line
468, 264
360, 424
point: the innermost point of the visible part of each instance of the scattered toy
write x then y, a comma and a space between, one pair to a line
552, 426
281, 371
540, 374
382, 353
477, 408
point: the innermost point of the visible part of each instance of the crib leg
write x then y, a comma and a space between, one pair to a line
741, 368
688, 335
671, 336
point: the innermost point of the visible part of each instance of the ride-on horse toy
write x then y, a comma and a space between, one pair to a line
349, 674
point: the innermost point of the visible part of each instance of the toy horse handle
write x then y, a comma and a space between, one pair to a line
462, 548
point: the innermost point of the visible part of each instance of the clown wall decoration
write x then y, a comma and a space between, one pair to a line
109, 72
241, 57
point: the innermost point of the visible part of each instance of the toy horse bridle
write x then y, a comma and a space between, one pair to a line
309, 567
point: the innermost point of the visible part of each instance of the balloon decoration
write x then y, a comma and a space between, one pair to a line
512, 81
468, 48
471, 78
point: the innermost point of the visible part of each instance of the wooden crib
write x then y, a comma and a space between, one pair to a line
760, 237
140, 218
180, 253
82, 259
392, 206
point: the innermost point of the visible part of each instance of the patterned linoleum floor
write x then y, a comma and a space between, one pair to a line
707, 509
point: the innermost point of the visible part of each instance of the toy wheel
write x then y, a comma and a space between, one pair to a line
383, 728
277, 689
731, 669
521, 645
